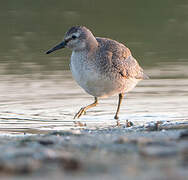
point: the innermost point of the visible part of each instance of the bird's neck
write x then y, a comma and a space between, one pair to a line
91, 44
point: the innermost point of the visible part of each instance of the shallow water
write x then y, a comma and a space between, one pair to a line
38, 104
37, 92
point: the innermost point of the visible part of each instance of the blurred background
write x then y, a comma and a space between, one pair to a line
155, 31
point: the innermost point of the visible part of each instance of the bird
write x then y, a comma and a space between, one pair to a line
101, 66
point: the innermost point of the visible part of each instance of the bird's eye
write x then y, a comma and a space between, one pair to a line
74, 37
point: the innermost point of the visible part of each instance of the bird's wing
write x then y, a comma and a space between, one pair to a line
119, 57
128, 67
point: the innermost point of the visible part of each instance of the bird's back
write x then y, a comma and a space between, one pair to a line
116, 57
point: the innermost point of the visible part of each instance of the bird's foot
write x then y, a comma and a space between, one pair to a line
79, 113
118, 123
117, 120
79, 124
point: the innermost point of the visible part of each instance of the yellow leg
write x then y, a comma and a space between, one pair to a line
83, 109
119, 103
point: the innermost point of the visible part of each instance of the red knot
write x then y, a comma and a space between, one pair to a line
102, 67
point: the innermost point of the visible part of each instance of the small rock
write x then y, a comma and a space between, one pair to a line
46, 142
129, 123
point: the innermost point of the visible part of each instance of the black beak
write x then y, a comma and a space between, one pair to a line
59, 46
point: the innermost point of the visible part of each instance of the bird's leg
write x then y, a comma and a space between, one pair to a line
83, 109
118, 108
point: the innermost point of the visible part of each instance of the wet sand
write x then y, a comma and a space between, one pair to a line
111, 153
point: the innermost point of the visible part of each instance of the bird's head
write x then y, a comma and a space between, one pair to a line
77, 38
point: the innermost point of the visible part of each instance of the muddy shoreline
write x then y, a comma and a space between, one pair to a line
108, 153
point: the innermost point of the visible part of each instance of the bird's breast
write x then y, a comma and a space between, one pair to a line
83, 70
85, 73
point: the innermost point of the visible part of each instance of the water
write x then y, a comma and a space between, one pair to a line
37, 92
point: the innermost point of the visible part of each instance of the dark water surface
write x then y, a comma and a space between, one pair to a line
37, 92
